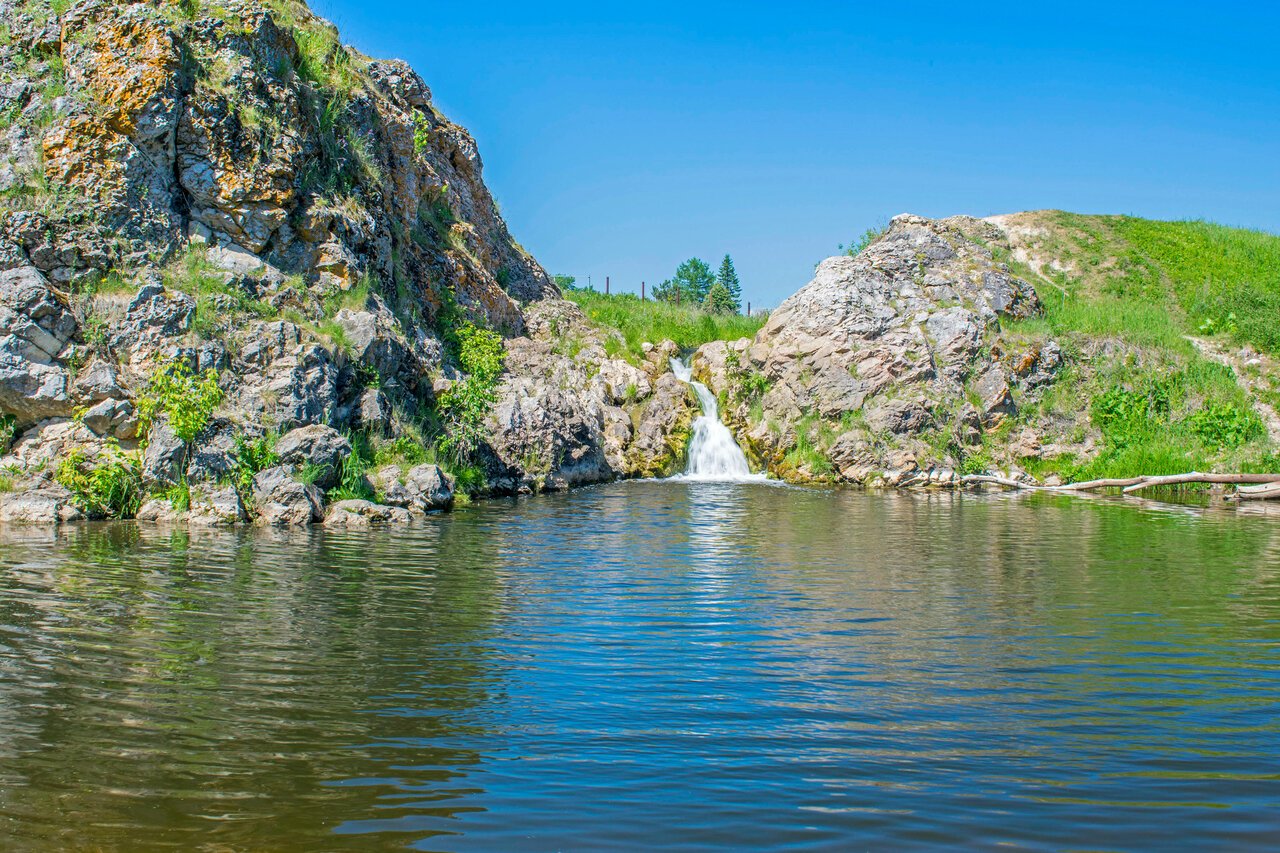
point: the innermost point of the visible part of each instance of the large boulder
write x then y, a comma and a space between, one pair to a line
165, 456
429, 488
281, 501
321, 447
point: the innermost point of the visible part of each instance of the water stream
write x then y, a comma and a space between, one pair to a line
714, 454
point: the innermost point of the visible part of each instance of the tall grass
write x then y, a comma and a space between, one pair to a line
639, 321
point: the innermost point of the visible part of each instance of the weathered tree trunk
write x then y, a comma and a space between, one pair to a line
1197, 477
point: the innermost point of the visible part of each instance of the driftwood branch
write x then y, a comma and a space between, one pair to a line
1251, 486
1197, 477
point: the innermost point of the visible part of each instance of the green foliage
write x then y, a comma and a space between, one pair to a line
310, 473
753, 386
112, 487
186, 399
465, 405
639, 321
692, 283
252, 455
565, 282
1226, 425
421, 132
402, 451
353, 485
867, 237
179, 495
719, 300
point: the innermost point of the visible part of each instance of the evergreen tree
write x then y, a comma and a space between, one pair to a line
690, 286
729, 278
719, 300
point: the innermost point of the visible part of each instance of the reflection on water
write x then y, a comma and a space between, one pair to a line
650, 665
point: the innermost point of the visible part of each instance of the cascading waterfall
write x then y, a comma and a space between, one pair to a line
714, 455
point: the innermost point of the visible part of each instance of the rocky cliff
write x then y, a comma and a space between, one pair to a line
223, 196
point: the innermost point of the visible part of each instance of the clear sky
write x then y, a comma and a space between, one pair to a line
622, 138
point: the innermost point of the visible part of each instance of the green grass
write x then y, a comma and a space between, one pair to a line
639, 321
1152, 283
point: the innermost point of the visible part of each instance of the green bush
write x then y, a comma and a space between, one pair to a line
465, 405
188, 400
1226, 425
112, 487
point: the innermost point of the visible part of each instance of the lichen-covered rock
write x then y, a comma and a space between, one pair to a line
321, 447
364, 514
281, 501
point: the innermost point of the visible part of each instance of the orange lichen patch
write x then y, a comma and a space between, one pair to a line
132, 65
83, 154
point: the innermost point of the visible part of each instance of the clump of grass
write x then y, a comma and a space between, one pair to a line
639, 321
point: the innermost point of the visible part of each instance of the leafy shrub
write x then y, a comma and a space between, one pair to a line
421, 132
179, 495
1226, 424
188, 400
251, 457
465, 405
112, 487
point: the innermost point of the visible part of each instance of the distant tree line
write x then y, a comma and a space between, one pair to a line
695, 284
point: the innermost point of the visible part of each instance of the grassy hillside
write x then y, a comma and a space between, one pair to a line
638, 321
1179, 301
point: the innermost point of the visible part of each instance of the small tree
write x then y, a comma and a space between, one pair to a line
692, 283
728, 276
719, 300
565, 282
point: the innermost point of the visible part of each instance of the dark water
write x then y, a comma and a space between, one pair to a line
651, 666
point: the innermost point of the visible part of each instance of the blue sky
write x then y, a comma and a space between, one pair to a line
621, 139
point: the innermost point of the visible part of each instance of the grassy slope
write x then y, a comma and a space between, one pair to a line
639, 321
1164, 408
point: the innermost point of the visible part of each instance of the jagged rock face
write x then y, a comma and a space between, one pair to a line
894, 352
253, 130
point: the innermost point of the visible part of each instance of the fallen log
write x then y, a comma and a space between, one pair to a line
980, 479
1269, 491
1099, 484
1197, 477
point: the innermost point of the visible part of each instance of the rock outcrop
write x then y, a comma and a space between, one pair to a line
890, 366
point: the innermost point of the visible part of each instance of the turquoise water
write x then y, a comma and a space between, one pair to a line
651, 666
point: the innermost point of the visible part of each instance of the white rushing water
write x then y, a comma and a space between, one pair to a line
714, 455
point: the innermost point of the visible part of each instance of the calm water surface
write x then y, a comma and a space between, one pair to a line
651, 666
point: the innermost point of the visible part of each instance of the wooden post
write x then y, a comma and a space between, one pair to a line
642, 291
606, 285
748, 309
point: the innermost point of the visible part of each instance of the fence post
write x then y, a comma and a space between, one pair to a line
748, 309
606, 285
642, 291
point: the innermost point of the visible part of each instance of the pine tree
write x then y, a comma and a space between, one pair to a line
719, 300
729, 278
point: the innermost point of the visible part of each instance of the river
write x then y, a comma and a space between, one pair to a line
651, 666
